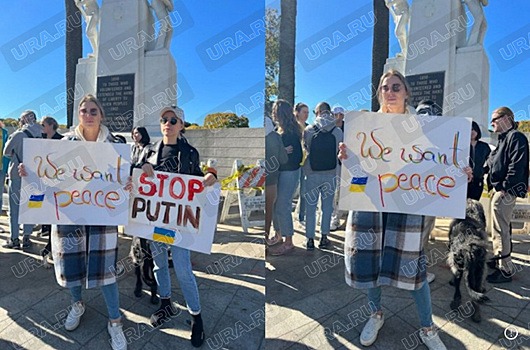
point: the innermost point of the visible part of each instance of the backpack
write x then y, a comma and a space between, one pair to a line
323, 150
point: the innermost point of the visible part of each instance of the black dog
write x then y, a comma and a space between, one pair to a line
143, 267
467, 255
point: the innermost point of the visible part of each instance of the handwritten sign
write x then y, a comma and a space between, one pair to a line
74, 182
405, 164
175, 209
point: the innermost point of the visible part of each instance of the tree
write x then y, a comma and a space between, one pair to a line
74, 51
272, 54
287, 50
379, 47
225, 120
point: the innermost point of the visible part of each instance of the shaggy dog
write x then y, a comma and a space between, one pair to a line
143, 267
467, 255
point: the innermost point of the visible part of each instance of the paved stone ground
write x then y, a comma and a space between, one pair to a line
309, 306
231, 285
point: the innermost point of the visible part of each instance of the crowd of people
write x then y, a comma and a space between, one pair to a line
312, 167
86, 255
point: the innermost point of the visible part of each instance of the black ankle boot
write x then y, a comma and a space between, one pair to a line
197, 331
163, 314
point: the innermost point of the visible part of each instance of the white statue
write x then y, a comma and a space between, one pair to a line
476, 36
90, 11
162, 9
400, 12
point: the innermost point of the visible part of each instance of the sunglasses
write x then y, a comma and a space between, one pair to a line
395, 88
497, 118
172, 121
93, 111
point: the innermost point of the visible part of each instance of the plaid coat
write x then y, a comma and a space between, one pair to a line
394, 258
85, 254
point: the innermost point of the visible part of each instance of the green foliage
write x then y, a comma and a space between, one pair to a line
10, 122
524, 126
272, 56
225, 120
193, 126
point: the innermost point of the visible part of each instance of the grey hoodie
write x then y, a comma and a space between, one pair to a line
13, 149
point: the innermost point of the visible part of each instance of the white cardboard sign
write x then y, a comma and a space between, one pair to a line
405, 164
175, 209
74, 182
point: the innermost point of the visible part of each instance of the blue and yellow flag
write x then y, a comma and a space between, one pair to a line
164, 235
358, 184
35, 201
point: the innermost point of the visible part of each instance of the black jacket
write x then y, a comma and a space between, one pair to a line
294, 158
188, 157
508, 164
478, 157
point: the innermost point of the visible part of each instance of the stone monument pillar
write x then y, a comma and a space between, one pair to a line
132, 79
440, 65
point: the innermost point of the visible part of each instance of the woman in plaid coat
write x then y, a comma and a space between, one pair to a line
86, 255
387, 248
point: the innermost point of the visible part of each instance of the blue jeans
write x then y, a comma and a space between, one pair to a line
301, 207
283, 208
183, 270
14, 203
323, 186
110, 294
422, 297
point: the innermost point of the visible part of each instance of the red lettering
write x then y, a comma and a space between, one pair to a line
145, 181
194, 186
172, 187
162, 178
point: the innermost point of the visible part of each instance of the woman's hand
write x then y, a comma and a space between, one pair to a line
469, 172
342, 151
209, 180
289, 149
148, 169
22, 170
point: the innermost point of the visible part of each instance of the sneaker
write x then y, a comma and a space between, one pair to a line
26, 243
12, 244
499, 276
324, 242
117, 338
431, 340
371, 328
74, 316
430, 277
310, 244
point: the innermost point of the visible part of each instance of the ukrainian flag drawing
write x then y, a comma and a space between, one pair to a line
35, 201
164, 235
358, 184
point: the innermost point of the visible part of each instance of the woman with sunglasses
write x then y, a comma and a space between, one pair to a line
369, 266
87, 254
174, 154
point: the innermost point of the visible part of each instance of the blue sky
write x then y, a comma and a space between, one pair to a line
509, 78
210, 79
